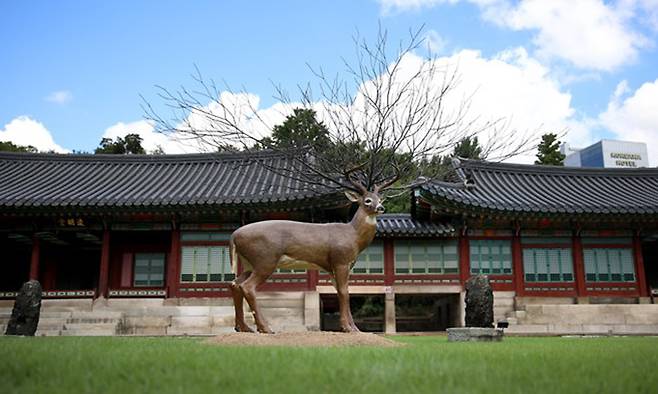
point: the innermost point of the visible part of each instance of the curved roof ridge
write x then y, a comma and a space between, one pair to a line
144, 158
556, 170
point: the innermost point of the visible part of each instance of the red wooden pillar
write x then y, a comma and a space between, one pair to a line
105, 264
389, 262
517, 266
34, 262
639, 267
464, 260
173, 263
312, 279
579, 266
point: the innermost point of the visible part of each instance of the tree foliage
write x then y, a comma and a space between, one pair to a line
9, 146
130, 144
301, 129
468, 148
548, 151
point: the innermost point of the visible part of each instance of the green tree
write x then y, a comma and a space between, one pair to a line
301, 130
548, 151
130, 144
468, 148
9, 146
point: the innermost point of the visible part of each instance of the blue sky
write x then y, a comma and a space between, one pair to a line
72, 71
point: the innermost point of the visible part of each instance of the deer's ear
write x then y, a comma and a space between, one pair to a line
352, 196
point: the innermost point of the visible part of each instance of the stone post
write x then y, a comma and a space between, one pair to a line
389, 312
312, 310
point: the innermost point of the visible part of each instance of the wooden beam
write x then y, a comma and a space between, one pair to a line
639, 267
464, 259
104, 270
517, 265
578, 266
389, 262
173, 264
34, 262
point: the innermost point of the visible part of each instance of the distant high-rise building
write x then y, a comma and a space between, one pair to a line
607, 153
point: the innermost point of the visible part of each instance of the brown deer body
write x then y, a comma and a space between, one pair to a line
265, 246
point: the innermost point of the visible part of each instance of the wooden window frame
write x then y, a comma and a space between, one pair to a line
474, 241
205, 245
149, 284
441, 263
608, 248
366, 255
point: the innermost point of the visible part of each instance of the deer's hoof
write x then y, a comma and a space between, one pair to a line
243, 328
265, 330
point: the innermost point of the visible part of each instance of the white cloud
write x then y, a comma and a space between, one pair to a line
510, 85
24, 130
151, 140
514, 86
404, 5
434, 42
590, 34
60, 97
636, 117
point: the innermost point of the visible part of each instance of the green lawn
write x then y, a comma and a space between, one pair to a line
427, 364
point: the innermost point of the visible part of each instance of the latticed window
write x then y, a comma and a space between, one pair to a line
426, 257
149, 269
548, 265
205, 264
609, 265
371, 260
491, 257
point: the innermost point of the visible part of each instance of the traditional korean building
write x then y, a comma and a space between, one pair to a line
139, 245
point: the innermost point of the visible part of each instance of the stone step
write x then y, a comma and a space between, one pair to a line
189, 330
51, 322
90, 326
97, 314
93, 321
527, 329
45, 314
88, 333
55, 305
509, 302
48, 333
118, 304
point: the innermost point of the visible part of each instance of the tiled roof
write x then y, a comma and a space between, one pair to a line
528, 189
53, 182
400, 224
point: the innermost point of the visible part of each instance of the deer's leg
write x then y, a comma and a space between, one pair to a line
249, 291
341, 276
238, 295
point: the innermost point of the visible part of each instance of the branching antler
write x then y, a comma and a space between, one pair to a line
389, 113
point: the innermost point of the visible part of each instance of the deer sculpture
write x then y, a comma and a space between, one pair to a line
265, 246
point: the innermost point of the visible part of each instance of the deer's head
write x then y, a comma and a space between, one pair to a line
371, 202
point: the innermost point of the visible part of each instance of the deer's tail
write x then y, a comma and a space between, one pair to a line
234, 256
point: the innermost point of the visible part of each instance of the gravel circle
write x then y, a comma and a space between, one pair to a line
303, 339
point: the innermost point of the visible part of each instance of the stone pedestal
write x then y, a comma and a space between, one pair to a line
474, 334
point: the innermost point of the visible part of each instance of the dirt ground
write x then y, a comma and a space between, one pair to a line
304, 339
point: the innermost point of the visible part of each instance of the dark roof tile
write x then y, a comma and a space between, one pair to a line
228, 180
400, 224
548, 189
